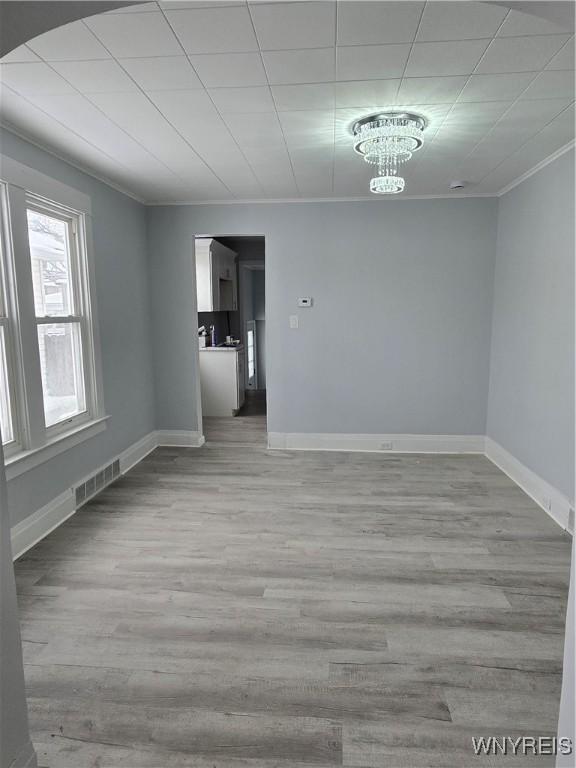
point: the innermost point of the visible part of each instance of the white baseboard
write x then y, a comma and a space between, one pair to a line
26, 758
39, 524
182, 438
545, 495
137, 451
299, 441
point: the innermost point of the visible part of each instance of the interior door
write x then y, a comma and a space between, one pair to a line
251, 368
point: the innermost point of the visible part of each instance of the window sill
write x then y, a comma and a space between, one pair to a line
24, 461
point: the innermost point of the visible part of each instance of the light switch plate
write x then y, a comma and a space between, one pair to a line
305, 301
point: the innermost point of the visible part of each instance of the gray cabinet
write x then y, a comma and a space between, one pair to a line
216, 283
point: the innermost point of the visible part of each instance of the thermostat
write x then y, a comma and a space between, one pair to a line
305, 301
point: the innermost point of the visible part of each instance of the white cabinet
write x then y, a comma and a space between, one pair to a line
216, 284
221, 380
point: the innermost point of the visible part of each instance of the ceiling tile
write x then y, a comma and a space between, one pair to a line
305, 96
564, 59
231, 70
214, 30
256, 99
496, 87
95, 76
519, 23
309, 65
520, 54
33, 78
203, 129
295, 25
313, 128
459, 21
198, 102
261, 133
128, 35
134, 113
372, 62
430, 90
366, 93
453, 58
20, 55
550, 85
361, 23
162, 73
73, 41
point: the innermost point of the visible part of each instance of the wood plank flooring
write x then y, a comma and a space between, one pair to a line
232, 607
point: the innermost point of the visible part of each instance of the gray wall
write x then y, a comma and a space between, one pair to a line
398, 338
119, 229
531, 400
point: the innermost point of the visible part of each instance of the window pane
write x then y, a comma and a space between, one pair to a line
62, 371
50, 253
5, 410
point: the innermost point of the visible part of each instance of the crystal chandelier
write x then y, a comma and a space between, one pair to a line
387, 140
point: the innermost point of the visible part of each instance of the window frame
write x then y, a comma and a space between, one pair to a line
80, 292
9, 323
23, 188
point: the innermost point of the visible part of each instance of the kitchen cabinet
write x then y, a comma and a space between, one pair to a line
216, 283
222, 380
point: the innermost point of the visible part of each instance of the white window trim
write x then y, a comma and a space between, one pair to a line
34, 443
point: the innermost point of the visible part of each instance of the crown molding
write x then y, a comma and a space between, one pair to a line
79, 167
538, 167
296, 200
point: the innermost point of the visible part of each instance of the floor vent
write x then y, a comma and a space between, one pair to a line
96, 483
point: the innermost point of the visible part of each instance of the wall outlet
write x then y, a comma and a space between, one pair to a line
387, 446
293, 321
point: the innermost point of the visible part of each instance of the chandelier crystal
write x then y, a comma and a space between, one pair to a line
387, 140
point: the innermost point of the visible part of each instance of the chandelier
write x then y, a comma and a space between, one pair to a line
387, 140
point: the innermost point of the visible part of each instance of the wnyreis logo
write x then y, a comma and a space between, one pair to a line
522, 745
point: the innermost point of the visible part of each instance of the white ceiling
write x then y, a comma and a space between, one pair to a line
197, 101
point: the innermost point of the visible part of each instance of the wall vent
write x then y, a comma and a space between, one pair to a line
89, 488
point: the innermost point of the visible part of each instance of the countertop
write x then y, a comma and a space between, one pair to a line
237, 348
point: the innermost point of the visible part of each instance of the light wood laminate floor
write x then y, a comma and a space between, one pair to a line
233, 607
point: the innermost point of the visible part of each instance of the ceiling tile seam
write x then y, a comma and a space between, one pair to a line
38, 142
215, 107
410, 52
535, 135
456, 100
86, 98
571, 69
274, 100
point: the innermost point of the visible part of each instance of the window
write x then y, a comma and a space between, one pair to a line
49, 387
52, 237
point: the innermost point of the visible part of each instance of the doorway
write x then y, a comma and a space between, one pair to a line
231, 296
